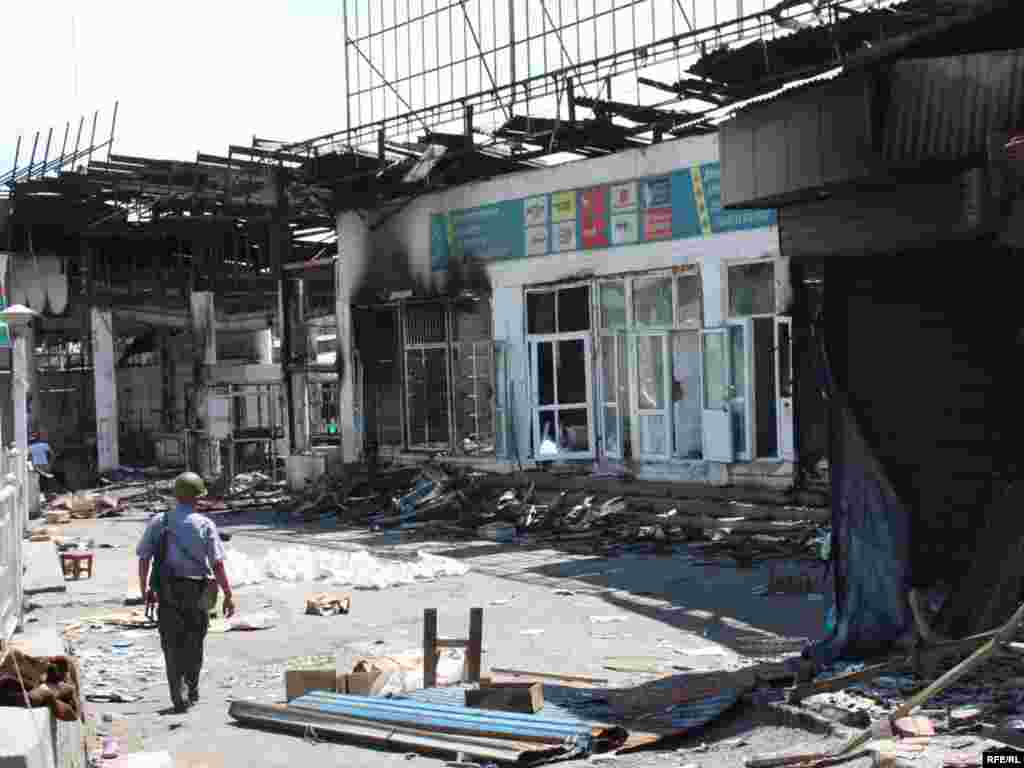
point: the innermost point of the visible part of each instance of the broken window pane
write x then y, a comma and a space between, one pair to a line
540, 312
650, 372
546, 372
574, 309
548, 435
574, 430
613, 305
785, 361
686, 395
652, 302
688, 306
715, 352
572, 372
752, 289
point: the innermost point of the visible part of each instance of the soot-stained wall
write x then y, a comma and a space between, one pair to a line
926, 346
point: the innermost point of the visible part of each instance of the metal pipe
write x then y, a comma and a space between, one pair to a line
113, 124
92, 139
32, 159
78, 139
64, 146
46, 154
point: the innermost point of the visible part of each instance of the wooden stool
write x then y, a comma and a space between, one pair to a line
74, 563
432, 644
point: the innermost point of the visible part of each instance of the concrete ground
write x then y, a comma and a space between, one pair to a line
680, 615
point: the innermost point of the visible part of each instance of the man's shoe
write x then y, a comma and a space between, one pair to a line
193, 698
180, 708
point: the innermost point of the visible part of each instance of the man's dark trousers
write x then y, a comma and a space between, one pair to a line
183, 622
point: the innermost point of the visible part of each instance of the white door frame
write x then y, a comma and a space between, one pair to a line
636, 413
746, 325
785, 410
536, 409
608, 352
716, 423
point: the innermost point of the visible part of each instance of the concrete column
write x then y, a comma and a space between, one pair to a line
300, 353
105, 387
353, 255
22, 375
263, 347
204, 340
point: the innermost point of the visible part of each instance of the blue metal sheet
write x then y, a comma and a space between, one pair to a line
592, 705
430, 716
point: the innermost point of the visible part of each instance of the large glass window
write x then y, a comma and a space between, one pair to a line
613, 305
652, 302
688, 302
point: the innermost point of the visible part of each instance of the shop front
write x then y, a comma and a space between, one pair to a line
631, 322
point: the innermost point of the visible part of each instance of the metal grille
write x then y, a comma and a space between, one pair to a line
474, 396
413, 67
425, 324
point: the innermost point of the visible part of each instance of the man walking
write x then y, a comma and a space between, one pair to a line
186, 549
40, 452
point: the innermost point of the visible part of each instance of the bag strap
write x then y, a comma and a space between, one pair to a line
183, 548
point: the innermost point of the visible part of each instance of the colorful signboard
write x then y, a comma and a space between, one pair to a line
624, 197
625, 228
563, 206
657, 224
685, 203
594, 204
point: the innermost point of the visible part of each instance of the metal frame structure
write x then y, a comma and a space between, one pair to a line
491, 56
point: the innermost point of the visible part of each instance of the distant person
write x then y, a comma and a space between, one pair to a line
187, 556
40, 451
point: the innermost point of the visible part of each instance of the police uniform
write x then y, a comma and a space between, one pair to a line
193, 547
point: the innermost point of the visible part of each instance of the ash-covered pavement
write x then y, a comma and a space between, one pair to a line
544, 611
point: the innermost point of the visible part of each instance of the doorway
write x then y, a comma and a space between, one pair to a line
766, 427
558, 326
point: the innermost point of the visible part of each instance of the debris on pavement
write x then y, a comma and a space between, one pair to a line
358, 569
328, 603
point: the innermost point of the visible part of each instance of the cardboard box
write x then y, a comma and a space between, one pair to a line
364, 683
310, 673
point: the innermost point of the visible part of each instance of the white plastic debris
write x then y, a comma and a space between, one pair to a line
241, 569
358, 569
608, 619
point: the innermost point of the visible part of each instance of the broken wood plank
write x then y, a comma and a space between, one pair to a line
516, 698
965, 667
839, 682
551, 676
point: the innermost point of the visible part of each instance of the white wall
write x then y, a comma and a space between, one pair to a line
409, 231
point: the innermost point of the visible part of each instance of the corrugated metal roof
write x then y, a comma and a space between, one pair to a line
450, 718
947, 108
592, 704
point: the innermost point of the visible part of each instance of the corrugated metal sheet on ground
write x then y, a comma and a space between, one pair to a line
592, 704
449, 716
948, 107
